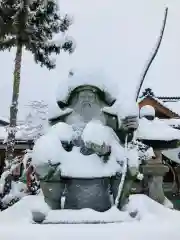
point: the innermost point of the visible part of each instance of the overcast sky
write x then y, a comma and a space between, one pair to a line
113, 35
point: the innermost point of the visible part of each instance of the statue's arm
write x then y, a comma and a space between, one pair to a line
127, 127
122, 134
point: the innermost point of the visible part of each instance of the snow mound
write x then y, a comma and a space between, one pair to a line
88, 216
20, 212
156, 130
63, 131
97, 133
47, 148
147, 208
76, 165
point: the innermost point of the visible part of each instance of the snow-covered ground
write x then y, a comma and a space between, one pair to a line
153, 222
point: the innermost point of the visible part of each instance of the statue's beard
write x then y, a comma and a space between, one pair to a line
85, 114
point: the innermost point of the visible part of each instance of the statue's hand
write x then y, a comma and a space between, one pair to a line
130, 123
99, 149
133, 171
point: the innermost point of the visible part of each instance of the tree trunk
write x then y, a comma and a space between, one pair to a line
14, 105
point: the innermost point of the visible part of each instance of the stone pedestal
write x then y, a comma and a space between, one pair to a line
87, 193
155, 171
177, 169
52, 191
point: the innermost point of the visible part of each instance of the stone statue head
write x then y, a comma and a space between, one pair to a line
86, 101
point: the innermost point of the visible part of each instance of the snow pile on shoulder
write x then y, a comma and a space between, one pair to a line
123, 108
156, 130
54, 111
48, 147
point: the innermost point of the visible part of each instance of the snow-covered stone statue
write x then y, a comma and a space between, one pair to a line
91, 155
85, 161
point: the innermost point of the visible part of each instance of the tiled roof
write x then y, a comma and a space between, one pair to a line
168, 99
4, 121
171, 103
149, 92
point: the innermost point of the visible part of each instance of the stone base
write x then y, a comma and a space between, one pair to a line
155, 173
88, 193
156, 169
79, 193
52, 191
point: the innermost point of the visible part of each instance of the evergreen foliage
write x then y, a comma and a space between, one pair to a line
31, 25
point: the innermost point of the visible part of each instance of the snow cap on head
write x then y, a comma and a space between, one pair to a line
78, 79
147, 110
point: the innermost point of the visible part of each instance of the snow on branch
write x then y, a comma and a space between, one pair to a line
36, 121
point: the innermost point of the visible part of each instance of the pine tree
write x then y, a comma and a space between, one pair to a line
30, 25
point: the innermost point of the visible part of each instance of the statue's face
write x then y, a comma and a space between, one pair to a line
87, 106
86, 96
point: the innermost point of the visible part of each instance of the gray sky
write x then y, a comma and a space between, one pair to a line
116, 36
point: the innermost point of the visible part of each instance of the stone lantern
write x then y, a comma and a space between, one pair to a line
154, 170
